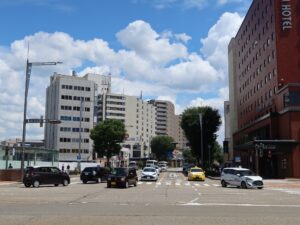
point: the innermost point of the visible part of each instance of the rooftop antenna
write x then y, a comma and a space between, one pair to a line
141, 95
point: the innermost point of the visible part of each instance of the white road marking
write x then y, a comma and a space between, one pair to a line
197, 185
206, 185
187, 184
238, 205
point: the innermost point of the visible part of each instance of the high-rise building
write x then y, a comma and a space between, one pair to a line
167, 123
71, 100
138, 117
264, 86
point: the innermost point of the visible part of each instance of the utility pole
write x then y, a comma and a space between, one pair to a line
201, 138
27, 81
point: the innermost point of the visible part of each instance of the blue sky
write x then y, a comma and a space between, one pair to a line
170, 49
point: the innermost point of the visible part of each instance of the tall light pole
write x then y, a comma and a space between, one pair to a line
200, 121
27, 81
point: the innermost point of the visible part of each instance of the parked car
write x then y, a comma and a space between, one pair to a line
241, 177
122, 177
196, 173
39, 175
149, 173
95, 173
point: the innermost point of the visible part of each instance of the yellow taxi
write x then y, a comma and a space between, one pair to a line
196, 173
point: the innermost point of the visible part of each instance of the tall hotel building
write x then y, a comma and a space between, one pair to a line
264, 83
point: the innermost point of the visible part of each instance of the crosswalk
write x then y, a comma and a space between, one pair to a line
178, 183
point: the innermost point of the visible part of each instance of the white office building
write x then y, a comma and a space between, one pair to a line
68, 99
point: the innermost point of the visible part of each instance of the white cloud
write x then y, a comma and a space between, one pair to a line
215, 44
158, 64
139, 37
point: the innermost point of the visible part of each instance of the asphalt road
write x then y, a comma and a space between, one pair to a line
172, 200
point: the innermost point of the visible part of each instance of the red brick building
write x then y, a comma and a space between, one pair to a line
264, 80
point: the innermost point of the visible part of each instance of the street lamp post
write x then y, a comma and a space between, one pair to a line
27, 81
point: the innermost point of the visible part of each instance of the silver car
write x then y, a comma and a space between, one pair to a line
241, 177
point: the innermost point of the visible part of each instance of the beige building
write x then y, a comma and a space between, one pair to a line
167, 123
138, 117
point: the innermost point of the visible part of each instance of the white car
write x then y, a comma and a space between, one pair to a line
241, 177
149, 173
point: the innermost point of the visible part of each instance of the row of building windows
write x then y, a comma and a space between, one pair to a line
74, 140
66, 150
74, 118
76, 98
74, 129
76, 88
255, 16
255, 59
74, 108
256, 87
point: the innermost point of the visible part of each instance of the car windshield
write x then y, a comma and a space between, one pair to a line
196, 170
149, 170
246, 173
89, 169
119, 171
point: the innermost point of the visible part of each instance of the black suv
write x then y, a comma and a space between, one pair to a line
122, 177
95, 173
38, 175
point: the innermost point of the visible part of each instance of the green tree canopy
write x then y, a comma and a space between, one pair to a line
107, 136
160, 145
190, 123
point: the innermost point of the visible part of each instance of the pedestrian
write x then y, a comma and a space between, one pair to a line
68, 168
10, 166
63, 167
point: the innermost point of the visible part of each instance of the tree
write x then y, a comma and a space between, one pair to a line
162, 144
107, 136
190, 123
188, 156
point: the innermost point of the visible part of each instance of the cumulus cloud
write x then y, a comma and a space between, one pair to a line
145, 42
215, 44
158, 64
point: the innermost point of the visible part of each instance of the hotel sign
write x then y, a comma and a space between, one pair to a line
286, 15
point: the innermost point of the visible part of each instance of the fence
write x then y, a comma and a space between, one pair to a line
11, 157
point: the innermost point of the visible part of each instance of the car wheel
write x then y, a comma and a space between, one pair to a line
55, 185
27, 185
65, 182
126, 184
36, 183
224, 184
84, 181
243, 185
260, 187
99, 180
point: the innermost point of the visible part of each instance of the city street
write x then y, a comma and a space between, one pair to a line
171, 200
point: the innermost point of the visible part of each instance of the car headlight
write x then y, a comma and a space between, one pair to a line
122, 178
